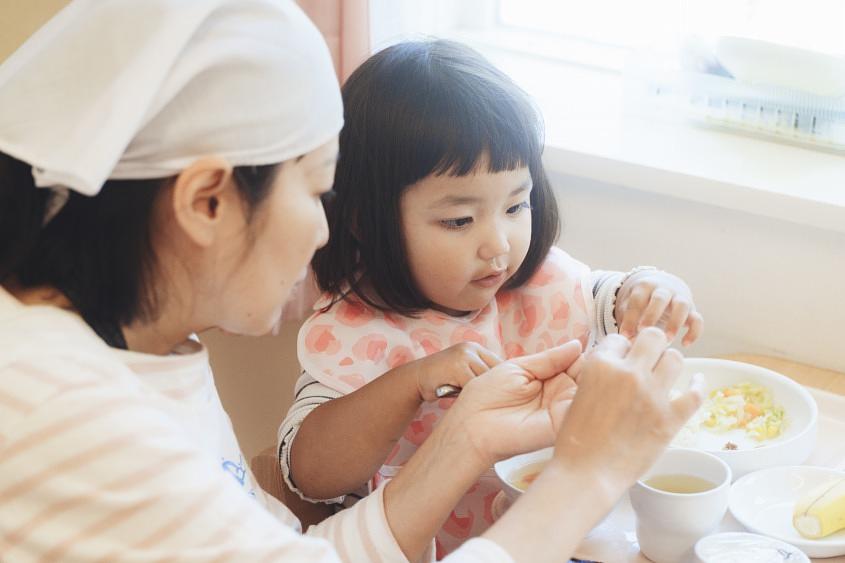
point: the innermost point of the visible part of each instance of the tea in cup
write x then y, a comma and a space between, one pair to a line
681, 499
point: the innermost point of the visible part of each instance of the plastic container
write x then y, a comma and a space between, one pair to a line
777, 113
720, 100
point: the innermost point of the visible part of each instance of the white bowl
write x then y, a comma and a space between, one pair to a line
742, 546
763, 502
792, 447
507, 467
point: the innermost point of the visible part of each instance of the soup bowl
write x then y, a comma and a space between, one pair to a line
509, 471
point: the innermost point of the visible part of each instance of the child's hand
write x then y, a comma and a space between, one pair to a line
656, 298
455, 365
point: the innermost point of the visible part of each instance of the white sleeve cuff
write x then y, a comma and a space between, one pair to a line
362, 533
308, 395
605, 286
481, 550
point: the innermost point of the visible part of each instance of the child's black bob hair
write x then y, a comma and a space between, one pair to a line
412, 110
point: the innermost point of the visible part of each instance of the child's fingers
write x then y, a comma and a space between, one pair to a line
657, 304
634, 306
695, 325
475, 368
551, 362
679, 312
490, 359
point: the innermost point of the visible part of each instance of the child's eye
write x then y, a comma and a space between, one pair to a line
456, 223
514, 209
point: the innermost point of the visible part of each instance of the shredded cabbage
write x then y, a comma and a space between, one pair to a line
747, 406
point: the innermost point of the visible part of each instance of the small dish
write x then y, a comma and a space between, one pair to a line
763, 502
728, 547
506, 469
792, 447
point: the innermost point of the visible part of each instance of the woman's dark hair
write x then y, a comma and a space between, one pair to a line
97, 250
412, 110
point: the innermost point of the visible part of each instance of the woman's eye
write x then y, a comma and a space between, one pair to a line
456, 223
514, 209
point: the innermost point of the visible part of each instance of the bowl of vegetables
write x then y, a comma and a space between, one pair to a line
752, 417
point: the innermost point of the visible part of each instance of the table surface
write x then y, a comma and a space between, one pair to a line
614, 541
824, 379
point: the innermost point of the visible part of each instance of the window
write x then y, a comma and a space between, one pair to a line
601, 33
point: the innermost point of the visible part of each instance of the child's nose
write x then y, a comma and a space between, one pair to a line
495, 244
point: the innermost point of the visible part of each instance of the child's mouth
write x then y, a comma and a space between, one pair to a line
491, 280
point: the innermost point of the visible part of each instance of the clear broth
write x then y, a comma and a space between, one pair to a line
680, 483
524, 476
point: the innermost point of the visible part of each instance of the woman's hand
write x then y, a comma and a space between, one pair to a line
657, 298
518, 405
455, 365
619, 422
622, 417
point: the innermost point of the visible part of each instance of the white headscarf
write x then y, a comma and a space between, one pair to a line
141, 88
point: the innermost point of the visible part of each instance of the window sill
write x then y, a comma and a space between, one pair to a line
589, 135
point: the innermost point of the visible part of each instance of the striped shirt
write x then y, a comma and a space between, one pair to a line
110, 455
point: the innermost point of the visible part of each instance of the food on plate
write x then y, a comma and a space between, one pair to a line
745, 409
821, 511
744, 405
747, 406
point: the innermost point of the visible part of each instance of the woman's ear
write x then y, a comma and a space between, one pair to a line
202, 198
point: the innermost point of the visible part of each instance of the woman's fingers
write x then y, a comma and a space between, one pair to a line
551, 362
668, 368
648, 348
657, 305
685, 405
615, 344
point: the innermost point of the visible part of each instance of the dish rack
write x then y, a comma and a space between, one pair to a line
767, 111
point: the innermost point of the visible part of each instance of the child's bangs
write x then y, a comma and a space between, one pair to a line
497, 131
505, 144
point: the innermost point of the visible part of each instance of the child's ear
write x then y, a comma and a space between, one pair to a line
202, 198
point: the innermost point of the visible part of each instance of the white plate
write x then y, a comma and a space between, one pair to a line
763, 502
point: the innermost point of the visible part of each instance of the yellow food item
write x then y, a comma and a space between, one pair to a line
745, 405
821, 511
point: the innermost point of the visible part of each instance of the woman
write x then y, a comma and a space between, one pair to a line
163, 164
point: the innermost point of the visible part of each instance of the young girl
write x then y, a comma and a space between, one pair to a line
441, 234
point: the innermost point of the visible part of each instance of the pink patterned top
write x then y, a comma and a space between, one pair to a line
351, 344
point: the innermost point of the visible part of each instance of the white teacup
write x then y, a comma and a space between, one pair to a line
669, 523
